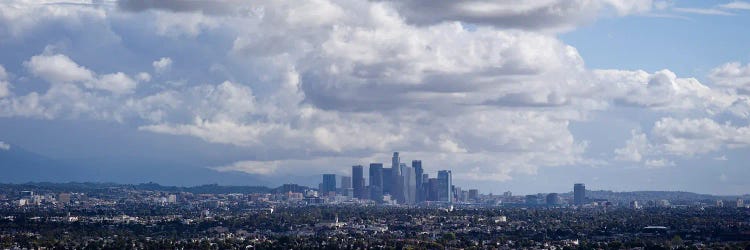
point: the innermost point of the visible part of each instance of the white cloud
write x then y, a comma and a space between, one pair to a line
3, 73
58, 68
143, 77
4, 89
4, 146
251, 167
736, 5
732, 75
703, 11
308, 80
4, 85
683, 137
661, 91
183, 24
633, 147
162, 65
659, 163
118, 83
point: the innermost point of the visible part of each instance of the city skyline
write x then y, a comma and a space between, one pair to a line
527, 96
374, 124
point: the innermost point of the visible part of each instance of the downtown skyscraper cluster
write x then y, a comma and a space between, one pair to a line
400, 183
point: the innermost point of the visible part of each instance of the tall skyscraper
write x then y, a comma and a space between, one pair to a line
417, 166
433, 187
346, 186
329, 184
395, 161
376, 181
397, 182
409, 185
346, 182
358, 181
445, 186
474, 195
579, 194
387, 180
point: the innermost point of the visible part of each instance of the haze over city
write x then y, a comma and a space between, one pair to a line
527, 96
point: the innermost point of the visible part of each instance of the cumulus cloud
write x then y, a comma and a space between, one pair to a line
325, 82
659, 163
58, 69
661, 90
4, 146
143, 77
162, 65
732, 75
118, 83
4, 84
682, 137
543, 15
634, 147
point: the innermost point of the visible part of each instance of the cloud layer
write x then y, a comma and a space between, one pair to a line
483, 86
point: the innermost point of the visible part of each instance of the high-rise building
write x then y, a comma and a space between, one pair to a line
579, 194
433, 187
346, 182
409, 186
346, 187
464, 195
376, 182
395, 161
397, 180
387, 180
329, 184
740, 202
457, 192
358, 181
474, 195
418, 170
553, 199
445, 186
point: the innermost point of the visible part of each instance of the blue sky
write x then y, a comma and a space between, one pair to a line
510, 95
688, 44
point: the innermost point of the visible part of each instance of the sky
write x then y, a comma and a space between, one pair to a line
511, 95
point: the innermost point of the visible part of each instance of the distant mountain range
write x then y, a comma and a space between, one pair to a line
18, 165
658, 195
89, 187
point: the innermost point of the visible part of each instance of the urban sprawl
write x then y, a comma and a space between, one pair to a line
401, 207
